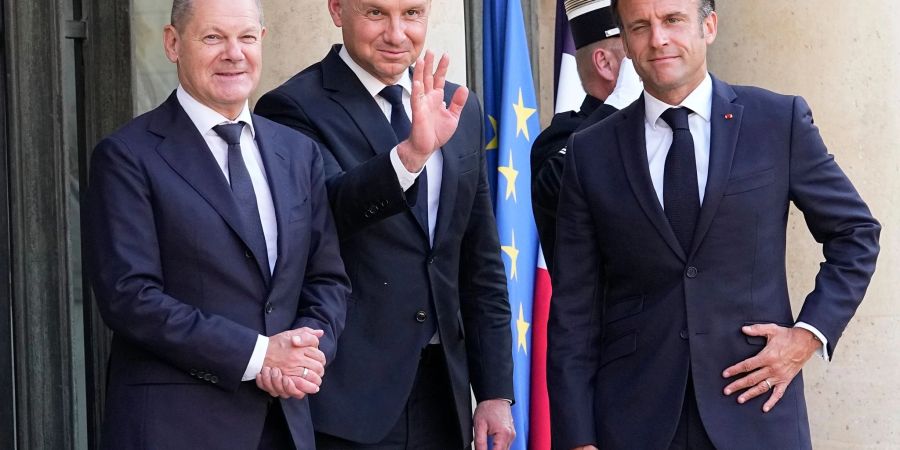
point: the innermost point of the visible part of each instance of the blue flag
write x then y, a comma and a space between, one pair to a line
511, 126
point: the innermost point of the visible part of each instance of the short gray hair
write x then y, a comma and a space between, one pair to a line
706, 8
182, 9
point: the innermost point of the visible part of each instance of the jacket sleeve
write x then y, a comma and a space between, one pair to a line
838, 219
361, 195
575, 324
323, 299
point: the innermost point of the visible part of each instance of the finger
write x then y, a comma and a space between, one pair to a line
429, 75
312, 365
291, 389
503, 439
315, 354
264, 380
277, 383
748, 381
459, 101
755, 391
745, 366
440, 75
307, 386
480, 436
777, 392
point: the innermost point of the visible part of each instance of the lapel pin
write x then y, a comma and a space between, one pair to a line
729, 116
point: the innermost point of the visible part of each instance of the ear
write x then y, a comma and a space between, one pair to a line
605, 64
171, 41
334, 8
711, 27
262, 33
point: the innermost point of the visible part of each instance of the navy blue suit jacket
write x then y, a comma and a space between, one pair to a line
184, 294
633, 314
459, 282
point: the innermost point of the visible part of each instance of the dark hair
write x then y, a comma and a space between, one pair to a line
182, 9
706, 8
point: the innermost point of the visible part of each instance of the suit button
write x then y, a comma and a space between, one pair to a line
207, 376
214, 379
193, 372
421, 316
691, 272
269, 307
683, 334
430, 260
247, 254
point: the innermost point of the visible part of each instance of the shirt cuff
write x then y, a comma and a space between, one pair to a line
822, 352
405, 177
257, 358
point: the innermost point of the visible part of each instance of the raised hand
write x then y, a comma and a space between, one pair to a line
433, 122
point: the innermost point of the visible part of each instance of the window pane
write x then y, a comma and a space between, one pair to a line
154, 76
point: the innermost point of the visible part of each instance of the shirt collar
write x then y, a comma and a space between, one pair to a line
372, 84
699, 101
205, 118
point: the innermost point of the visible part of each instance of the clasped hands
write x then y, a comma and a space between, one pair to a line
433, 121
294, 365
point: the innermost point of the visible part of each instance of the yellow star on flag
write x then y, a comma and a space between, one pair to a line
494, 144
522, 327
511, 174
522, 115
513, 254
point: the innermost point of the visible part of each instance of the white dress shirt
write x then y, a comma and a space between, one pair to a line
435, 163
658, 137
205, 118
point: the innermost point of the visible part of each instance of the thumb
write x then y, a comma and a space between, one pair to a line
765, 329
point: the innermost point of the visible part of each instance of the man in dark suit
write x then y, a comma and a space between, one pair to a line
429, 314
670, 323
214, 253
610, 82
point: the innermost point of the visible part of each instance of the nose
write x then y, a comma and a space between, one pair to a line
234, 50
396, 31
658, 36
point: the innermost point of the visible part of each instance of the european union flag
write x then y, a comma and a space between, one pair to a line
511, 124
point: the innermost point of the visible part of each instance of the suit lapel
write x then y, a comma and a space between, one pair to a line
349, 93
187, 153
633, 148
271, 150
725, 125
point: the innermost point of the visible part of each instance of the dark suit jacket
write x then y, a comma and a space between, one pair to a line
633, 314
184, 295
547, 160
460, 282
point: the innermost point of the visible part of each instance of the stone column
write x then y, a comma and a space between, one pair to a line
844, 59
301, 33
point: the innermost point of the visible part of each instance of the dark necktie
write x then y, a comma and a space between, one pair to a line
401, 125
244, 195
681, 196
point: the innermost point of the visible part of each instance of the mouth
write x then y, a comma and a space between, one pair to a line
663, 59
393, 53
230, 75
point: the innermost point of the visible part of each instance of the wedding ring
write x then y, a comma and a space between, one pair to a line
306, 371
769, 385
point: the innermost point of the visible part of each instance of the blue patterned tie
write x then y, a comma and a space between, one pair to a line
401, 125
244, 195
681, 196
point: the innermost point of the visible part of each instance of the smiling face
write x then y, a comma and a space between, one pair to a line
385, 37
667, 41
218, 51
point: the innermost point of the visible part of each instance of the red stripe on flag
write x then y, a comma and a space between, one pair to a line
539, 431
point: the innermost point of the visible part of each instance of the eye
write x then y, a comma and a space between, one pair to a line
374, 13
212, 38
249, 39
413, 13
